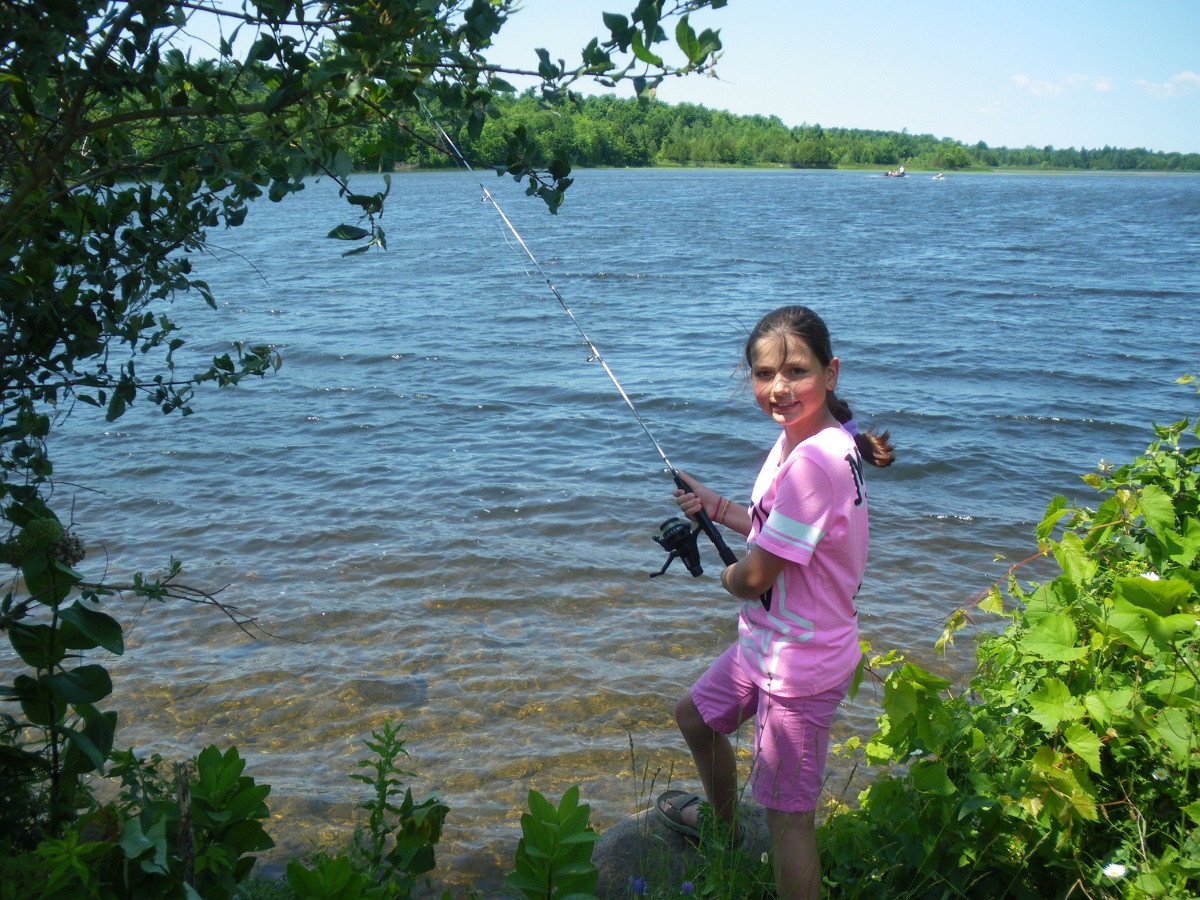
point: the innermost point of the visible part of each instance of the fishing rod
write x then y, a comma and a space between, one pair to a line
675, 535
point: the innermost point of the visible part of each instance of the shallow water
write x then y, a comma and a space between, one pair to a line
442, 511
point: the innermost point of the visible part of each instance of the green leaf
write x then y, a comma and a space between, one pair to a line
101, 628
348, 233
1055, 511
640, 51
580, 837
84, 749
48, 582
685, 38
974, 803
932, 778
1162, 596
343, 166
85, 684
1157, 510
116, 407
1051, 704
149, 847
39, 646
1173, 729
993, 603
856, 680
540, 807
1084, 743
1053, 638
1193, 811
620, 29
522, 881
40, 707
1140, 628
1077, 564
1106, 705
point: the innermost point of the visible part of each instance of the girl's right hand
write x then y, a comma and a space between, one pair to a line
699, 497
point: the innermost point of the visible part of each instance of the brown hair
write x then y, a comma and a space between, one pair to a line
801, 322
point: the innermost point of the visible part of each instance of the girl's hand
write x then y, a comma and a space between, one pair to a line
699, 497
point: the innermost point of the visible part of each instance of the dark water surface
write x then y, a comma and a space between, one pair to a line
447, 511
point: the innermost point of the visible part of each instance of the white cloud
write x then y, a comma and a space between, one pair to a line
1073, 82
1186, 81
1175, 86
1036, 87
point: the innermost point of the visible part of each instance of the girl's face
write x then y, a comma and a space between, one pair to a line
791, 385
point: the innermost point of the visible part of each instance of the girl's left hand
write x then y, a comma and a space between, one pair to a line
699, 497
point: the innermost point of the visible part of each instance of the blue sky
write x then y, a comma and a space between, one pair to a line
1012, 73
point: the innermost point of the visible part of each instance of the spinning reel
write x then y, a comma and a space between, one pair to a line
679, 539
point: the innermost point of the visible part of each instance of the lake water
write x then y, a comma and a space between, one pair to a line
443, 512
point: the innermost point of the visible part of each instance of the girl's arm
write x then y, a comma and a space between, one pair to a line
754, 575
720, 510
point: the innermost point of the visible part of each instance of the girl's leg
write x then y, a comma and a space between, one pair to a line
794, 848
714, 757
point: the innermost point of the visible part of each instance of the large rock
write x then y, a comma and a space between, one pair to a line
642, 846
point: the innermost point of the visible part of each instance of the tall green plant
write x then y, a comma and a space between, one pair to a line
1071, 763
397, 845
399, 840
554, 856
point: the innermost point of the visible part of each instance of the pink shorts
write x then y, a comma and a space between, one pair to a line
791, 734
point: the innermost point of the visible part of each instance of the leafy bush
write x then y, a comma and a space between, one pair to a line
1070, 764
188, 839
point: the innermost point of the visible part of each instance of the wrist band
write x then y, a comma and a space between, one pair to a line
722, 509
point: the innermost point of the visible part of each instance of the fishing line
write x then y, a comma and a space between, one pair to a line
672, 537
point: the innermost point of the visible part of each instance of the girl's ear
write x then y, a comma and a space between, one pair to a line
831, 374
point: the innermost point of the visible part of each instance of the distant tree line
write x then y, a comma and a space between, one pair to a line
607, 131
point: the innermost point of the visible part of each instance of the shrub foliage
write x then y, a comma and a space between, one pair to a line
1069, 766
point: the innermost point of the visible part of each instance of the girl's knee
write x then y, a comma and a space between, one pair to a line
688, 717
800, 825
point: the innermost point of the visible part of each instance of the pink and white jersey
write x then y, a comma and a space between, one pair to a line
811, 510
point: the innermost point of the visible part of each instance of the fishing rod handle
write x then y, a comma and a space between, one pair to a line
707, 526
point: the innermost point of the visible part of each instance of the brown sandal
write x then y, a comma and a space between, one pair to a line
672, 816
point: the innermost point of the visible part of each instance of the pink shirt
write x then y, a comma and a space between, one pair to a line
811, 510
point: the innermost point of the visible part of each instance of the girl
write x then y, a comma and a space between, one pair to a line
797, 647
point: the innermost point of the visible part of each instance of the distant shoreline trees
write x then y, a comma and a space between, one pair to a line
604, 131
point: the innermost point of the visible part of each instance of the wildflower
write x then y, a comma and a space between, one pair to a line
637, 886
1150, 576
686, 888
765, 859
1114, 870
1159, 774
